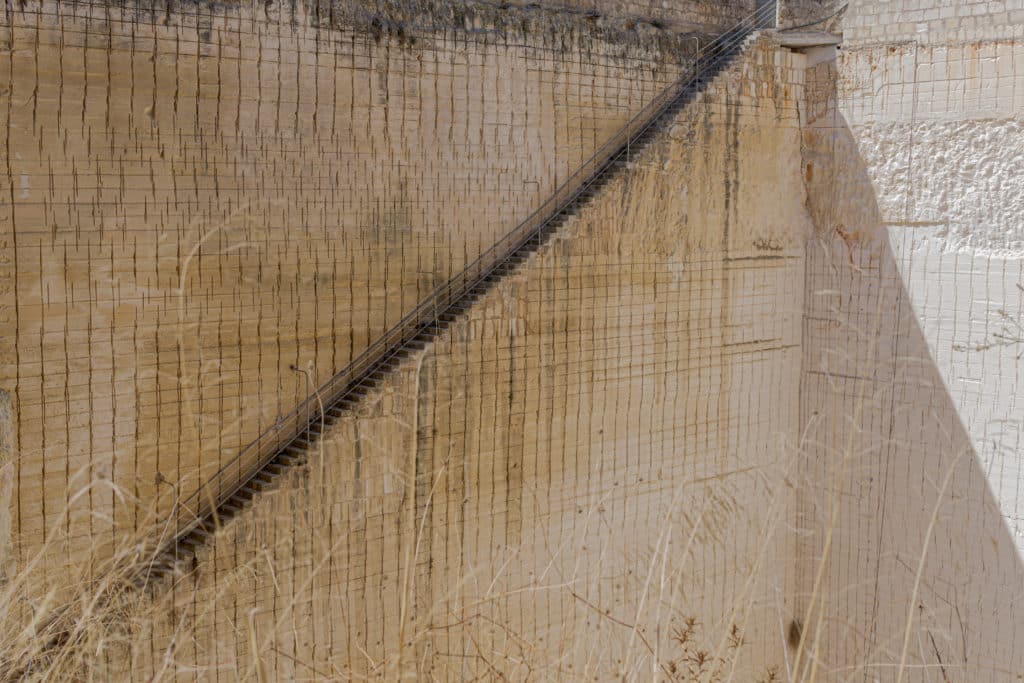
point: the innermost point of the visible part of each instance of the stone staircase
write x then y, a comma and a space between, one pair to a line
255, 470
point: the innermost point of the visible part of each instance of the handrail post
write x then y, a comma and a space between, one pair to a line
306, 403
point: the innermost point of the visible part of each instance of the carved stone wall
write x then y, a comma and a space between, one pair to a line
209, 202
625, 404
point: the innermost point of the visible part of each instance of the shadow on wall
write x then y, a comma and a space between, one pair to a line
909, 567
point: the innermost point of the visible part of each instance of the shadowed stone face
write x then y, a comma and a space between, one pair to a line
912, 343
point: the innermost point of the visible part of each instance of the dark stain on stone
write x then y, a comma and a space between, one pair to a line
794, 633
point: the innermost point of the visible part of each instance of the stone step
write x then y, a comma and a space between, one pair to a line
248, 492
291, 460
261, 482
230, 509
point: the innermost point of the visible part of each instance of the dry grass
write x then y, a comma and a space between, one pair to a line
66, 631
92, 628
88, 630
91, 636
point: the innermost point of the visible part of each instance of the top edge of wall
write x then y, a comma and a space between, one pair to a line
868, 23
667, 29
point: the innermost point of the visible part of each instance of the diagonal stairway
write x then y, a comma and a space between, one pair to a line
254, 470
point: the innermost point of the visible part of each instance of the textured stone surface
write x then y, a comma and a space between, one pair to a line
622, 405
677, 14
818, 15
828, 432
912, 364
204, 197
932, 22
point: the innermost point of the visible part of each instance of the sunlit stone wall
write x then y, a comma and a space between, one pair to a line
601, 450
204, 202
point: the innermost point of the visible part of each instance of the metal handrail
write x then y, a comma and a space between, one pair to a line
217, 489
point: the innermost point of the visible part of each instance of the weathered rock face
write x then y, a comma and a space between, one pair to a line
912, 365
812, 15
603, 440
699, 15
208, 204
204, 195
391, 15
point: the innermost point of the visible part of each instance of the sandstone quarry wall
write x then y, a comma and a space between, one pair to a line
676, 410
597, 452
207, 203
809, 15
912, 372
